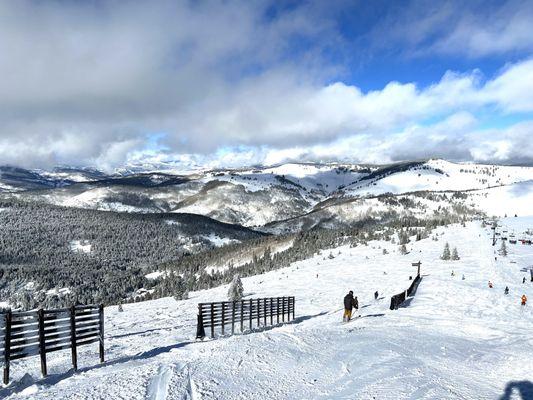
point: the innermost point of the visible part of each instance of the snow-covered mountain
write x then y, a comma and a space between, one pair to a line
455, 339
255, 197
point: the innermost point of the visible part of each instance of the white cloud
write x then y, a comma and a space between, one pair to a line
89, 82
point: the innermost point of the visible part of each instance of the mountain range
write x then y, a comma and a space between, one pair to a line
283, 198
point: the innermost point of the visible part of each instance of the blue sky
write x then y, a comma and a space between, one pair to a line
230, 83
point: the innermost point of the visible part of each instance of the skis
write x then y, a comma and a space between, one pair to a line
351, 319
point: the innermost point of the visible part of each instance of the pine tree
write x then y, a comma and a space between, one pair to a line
235, 290
503, 249
446, 252
455, 254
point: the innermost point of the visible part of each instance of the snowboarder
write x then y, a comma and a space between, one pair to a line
349, 303
376, 294
506, 291
490, 284
524, 299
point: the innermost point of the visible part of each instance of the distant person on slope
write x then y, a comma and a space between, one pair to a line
524, 280
376, 294
506, 291
524, 299
349, 303
490, 284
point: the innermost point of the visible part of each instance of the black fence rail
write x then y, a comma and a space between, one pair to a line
398, 299
223, 317
31, 333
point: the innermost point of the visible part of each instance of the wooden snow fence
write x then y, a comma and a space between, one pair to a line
31, 333
398, 299
224, 316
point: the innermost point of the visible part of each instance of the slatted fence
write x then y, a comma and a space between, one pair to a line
29, 333
225, 316
398, 299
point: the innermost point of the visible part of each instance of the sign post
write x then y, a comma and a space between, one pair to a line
417, 264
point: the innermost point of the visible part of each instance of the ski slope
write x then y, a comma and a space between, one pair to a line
457, 339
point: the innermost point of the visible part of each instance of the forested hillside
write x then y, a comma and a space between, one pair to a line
86, 256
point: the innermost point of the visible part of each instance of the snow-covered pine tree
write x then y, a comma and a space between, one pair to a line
235, 290
446, 253
503, 249
455, 254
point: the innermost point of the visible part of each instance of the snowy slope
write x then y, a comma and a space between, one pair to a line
458, 339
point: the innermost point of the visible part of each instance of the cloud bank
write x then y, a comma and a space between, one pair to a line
225, 83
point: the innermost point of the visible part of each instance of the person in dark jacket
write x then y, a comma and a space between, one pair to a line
349, 304
506, 291
376, 294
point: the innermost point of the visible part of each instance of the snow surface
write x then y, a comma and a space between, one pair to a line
81, 246
457, 339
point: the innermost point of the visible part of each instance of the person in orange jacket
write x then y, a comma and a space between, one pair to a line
524, 299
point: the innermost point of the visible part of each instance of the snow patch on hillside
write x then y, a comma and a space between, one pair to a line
80, 246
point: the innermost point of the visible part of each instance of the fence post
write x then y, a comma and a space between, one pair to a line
265, 311
73, 348
271, 312
101, 341
223, 304
212, 320
200, 331
7, 345
283, 309
258, 313
42, 350
293, 304
277, 309
242, 316
250, 310
233, 317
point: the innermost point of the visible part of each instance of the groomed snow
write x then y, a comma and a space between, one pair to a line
457, 339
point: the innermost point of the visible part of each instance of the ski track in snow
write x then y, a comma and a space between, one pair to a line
457, 339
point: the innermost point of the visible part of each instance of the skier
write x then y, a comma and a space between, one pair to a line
453, 273
506, 291
524, 279
349, 303
376, 294
464, 277
490, 284
524, 299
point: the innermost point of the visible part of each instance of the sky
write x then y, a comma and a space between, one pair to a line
234, 83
